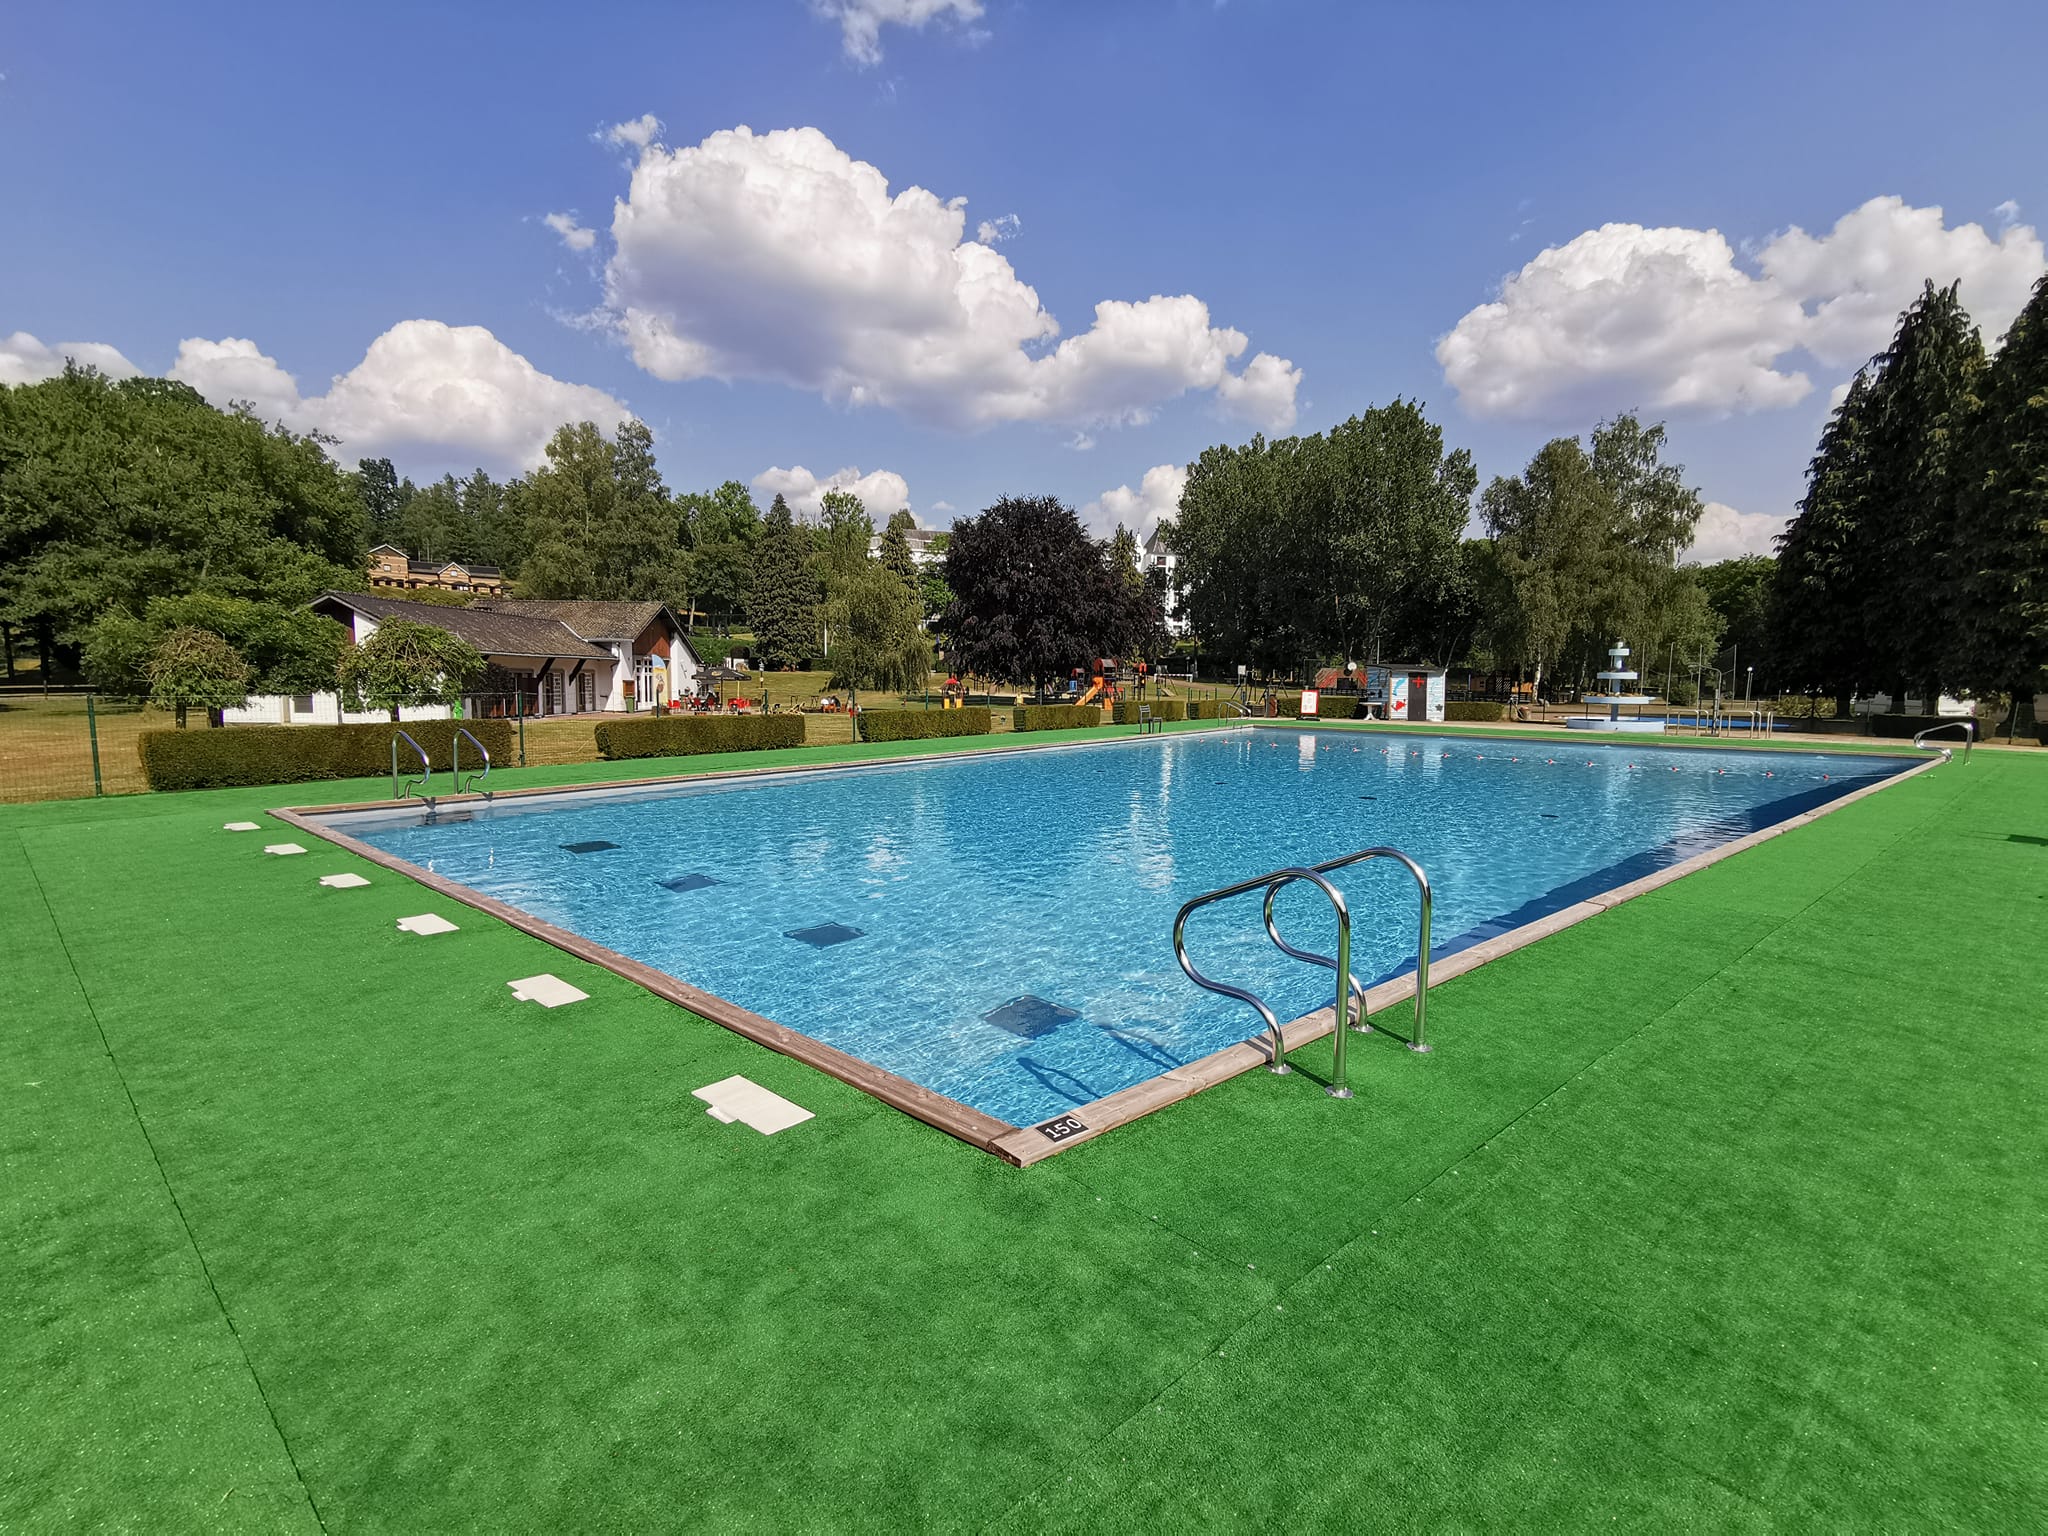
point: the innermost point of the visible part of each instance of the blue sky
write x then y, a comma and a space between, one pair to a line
245, 194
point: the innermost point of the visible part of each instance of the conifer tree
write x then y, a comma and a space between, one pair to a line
1922, 394
2000, 562
895, 554
783, 598
1816, 616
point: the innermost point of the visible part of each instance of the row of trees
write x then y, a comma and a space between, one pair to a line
1351, 545
1918, 561
115, 497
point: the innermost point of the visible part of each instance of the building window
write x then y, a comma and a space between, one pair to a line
302, 703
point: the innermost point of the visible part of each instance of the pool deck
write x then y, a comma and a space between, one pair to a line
1723, 1207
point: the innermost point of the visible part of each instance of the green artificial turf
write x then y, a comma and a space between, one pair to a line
1723, 1208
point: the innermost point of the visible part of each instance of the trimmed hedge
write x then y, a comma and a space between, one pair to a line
240, 755
688, 735
925, 724
1210, 709
1055, 717
1475, 709
1126, 712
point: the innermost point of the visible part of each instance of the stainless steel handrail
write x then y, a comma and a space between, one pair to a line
399, 792
1427, 904
1967, 727
1277, 1045
456, 760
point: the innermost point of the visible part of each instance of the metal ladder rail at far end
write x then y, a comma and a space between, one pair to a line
1277, 1044
1967, 727
456, 760
426, 779
1419, 1041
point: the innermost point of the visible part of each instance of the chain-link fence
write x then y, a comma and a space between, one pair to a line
64, 745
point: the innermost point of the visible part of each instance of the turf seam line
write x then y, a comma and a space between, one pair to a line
205, 1270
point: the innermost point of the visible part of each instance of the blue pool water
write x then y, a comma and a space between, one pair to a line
925, 898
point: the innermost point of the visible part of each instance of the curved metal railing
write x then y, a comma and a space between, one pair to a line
1967, 727
398, 791
1419, 1041
1277, 1046
455, 749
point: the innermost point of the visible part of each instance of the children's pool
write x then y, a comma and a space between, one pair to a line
998, 927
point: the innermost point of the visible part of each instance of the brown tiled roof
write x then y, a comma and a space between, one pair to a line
493, 633
591, 620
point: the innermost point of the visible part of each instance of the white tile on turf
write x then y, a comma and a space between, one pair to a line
240, 826
735, 1098
426, 922
549, 991
282, 848
343, 882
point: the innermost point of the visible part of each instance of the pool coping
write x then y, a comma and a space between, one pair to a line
1021, 1146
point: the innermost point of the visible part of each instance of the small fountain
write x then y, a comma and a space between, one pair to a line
1616, 673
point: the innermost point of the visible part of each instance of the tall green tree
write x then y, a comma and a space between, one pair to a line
1739, 592
1316, 546
1923, 390
1584, 551
600, 523
2000, 561
783, 591
1033, 594
1549, 528
1815, 623
115, 493
877, 639
895, 554
377, 488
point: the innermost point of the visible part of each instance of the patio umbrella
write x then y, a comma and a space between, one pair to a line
719, 676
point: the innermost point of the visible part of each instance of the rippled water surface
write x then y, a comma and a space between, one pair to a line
1053, 876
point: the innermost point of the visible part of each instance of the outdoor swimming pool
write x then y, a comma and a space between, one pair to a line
997, 927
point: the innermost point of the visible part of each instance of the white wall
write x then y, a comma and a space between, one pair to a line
276, 709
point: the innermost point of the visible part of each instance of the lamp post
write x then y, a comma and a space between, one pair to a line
1748, 678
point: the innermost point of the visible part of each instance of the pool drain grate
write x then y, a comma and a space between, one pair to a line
591, 847
687, 883
1029, 1016
824, 935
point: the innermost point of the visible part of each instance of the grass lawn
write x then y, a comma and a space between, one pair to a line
1724, 1208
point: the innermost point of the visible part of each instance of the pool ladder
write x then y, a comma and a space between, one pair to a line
1967, 727
424, 780
1348, 985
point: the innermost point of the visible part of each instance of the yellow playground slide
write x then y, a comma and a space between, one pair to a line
1094, 692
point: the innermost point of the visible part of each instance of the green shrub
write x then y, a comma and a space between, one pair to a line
1681, 692
241, 755
925, 724
1475, 709
686, 736
1055, 717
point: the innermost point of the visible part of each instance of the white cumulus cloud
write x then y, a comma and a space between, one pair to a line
777, 256
996, 231
421, 385
574, 235
639, 132
1140, 510
883, 492
1670, 319
24, 360
861, 21
1724, 533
